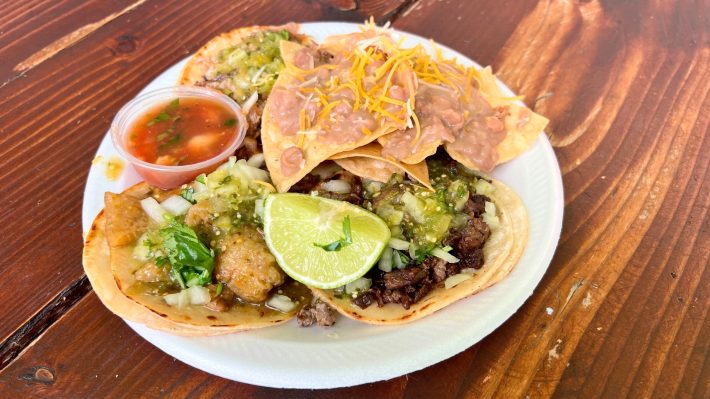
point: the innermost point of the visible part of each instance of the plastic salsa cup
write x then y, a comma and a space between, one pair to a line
166, 176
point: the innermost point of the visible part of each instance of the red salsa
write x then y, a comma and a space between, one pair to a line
182, 132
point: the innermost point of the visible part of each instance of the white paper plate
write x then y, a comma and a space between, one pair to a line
352, 353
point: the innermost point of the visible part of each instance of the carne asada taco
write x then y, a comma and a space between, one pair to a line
447, 245
193, 258
335, 98
368, 162
244, 64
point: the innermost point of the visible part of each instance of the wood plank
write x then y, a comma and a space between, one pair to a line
55, 114
626, 99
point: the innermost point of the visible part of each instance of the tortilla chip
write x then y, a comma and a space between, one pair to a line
502, 252
368, 162
314, 149
522, 125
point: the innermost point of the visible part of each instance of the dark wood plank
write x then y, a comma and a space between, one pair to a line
628, 101
56, 112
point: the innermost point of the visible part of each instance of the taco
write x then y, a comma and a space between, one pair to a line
340, 96
244, 64
369, 163
156, 257
447, 245
464, 110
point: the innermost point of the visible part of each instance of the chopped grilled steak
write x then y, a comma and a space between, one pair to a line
306, 184
310, 183
409, 285
476, 205
250, 147
399, 278
317, 312
220, 303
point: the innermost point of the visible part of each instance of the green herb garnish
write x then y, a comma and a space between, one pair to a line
201, 178
218, 290
174, 104
192, 262
230, 122
343, 241
161, 117
226, 180
189, 194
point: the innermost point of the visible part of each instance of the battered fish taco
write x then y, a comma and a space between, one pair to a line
447, 245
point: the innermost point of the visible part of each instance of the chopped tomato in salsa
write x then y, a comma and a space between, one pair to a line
183, 132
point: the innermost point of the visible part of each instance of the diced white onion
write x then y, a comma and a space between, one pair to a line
251, 172
398, 244
414, 206
441, 254
337, 186
141, 252
385, 263
490, 217
153, 209
469, 270
325, 170
359, 285
455, 280
189, 296
246, 107
282, 303
176, 205
256, 160
259, 208
199, 187
397, 260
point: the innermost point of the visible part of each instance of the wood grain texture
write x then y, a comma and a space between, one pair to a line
623, 308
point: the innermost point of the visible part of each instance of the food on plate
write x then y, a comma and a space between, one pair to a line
368, 162
243, 64
321, 242
363, 193
195, 256
182, 132
464, 109
446, 245
337, 97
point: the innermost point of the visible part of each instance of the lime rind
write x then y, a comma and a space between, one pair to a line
314, 220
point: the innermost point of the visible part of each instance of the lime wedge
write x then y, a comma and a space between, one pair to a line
297, 228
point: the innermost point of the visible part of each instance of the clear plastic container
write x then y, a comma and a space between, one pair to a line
163, 176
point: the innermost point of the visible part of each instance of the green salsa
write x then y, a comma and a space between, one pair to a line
251, 66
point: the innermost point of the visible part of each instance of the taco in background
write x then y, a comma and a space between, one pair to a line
368, 162
338, 97
244, 64
447, 245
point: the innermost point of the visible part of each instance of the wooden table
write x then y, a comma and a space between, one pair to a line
623, 308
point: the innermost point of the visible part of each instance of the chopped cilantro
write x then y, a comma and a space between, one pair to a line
218, 290
201, 178
230, 122
343, 241
192, 262
189, 194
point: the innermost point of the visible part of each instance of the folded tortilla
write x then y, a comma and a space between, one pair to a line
501, 253
110, 271
368, 162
